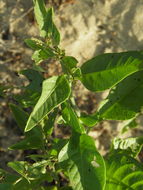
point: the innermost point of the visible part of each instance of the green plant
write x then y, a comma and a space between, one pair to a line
75, 163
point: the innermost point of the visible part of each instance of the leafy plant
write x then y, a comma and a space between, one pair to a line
75, 163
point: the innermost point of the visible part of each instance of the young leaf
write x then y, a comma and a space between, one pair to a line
125, 101
48, 21
85, 166
55, 91
123, 172
40, 14
107, 70
45, 21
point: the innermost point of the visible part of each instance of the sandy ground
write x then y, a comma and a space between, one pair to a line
88, 28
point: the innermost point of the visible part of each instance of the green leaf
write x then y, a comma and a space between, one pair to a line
55, 91
55, 35
85, 166
42, 54
71, 118
57, 145
131, 145
27, 99
123, 172
35, 78
37, 57
7, 178
49, 123
48, 21
22, 184
30, 142
40, 14
32, 91
20, 116
35, 173
68, 63
76, 73
34, 43
89, 120
34, 138
20, 167
4, 186
125, 101
107, 70
38, 68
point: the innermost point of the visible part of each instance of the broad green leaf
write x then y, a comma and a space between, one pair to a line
71, 118
40, 14
35, 78
123, 172
55, 91
20, 116
30, 142
85, 166
125, 101
107, 70
131, 145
